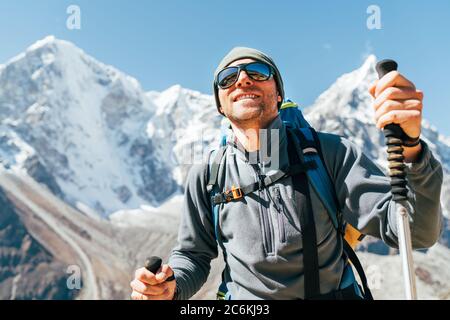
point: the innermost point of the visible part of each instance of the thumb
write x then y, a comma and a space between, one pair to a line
164, 273
372, 88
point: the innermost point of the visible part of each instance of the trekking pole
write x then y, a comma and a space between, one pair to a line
394, 134
152, 264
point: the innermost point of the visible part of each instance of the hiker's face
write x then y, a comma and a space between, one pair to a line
261, 106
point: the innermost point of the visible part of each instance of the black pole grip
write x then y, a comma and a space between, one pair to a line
153, 263
385, 66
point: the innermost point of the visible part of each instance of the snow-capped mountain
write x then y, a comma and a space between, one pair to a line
79, 126
96, 139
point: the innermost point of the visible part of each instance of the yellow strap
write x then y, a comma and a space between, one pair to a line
288, 104
351, 236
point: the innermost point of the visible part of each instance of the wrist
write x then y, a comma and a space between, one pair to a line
409, 142
411, 154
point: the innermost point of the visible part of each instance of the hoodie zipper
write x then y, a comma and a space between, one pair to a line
266, 216
280, 215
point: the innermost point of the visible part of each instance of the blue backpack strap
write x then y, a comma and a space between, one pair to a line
306, 138
318, 175
215, 158
290, 113
214, 161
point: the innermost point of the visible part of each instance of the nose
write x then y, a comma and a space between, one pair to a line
244, 80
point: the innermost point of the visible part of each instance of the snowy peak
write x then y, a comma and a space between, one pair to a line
53, 66
368, 67
47, 41
349, 95
82, 123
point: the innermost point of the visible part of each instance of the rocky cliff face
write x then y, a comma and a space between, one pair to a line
27, 269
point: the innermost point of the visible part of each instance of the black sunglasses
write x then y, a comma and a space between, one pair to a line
258, 71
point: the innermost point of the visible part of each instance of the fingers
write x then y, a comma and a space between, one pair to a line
148, 277
392, 79
409, 120
395, 93
392, 105
139, 296
164, 273
148, 286
145, 276
148, 289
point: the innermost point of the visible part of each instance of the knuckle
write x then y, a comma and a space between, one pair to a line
417, 103
390, 92
387, 106
138, 274
417, 114
156, 290
142, 275
395, 74
394, 116
420, 107
167, 294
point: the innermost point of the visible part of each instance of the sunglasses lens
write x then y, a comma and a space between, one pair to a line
258, 71
227, 77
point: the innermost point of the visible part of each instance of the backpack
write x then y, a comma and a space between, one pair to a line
305, 139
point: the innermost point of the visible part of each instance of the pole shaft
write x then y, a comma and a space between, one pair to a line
405, 247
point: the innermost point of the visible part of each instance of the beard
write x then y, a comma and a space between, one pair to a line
245, 111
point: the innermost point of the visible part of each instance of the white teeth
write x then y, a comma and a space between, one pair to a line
246, 96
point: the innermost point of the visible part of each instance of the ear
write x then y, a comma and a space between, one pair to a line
279, 98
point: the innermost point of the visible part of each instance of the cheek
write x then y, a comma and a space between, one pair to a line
272, 96
223, 98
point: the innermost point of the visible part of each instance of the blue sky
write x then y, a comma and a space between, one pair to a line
162, 43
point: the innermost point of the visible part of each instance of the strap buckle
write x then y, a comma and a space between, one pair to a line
233, 194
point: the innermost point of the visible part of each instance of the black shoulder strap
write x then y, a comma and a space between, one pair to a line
309, 238
351, 255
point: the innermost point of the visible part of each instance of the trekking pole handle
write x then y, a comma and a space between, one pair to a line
383, 67
153, 263
394, 139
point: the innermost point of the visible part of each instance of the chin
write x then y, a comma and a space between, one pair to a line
246, 114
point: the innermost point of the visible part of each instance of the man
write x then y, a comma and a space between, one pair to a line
263, 247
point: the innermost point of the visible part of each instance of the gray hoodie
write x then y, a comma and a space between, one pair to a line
263, 241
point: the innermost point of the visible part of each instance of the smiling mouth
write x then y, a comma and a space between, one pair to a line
246, 96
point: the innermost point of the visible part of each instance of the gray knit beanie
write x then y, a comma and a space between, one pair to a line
242, 53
